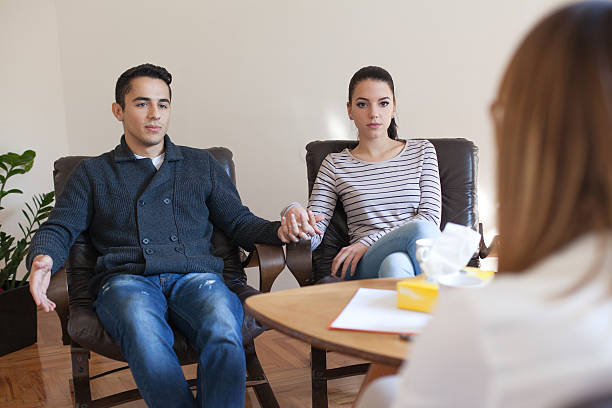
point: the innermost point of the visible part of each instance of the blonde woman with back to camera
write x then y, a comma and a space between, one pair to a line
541, 334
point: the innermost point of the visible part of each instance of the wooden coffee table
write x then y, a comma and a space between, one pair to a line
305, 313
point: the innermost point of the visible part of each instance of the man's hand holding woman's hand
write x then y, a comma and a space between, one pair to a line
40, 276
298, 223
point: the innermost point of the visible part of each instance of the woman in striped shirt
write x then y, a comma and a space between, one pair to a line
390, 188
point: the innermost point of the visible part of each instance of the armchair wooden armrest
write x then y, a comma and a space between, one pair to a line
58, 293
271, 262
299, 261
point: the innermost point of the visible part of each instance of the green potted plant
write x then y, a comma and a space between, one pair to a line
17, 309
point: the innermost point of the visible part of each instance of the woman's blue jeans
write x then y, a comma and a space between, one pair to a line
393, 255
136, 309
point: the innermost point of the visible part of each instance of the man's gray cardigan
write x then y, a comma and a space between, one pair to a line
147, 221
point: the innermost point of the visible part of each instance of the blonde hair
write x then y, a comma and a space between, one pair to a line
553, 123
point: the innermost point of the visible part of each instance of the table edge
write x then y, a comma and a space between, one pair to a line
266, 321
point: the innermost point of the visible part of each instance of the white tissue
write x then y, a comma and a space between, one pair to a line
451, 251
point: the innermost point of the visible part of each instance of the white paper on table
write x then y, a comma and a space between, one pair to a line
375, 310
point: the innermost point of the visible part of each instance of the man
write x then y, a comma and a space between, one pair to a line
149, 207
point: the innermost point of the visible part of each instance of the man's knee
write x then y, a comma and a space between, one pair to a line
125, 299
126, 306
125, 288
212, 295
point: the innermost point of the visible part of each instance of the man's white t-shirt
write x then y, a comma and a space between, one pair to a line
157, 161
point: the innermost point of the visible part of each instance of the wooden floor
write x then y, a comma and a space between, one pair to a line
37, 376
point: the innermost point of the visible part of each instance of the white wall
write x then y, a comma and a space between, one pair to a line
266, 77
31, 103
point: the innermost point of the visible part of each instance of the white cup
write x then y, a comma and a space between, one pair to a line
423, 246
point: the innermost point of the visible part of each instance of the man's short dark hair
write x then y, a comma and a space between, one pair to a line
145, 70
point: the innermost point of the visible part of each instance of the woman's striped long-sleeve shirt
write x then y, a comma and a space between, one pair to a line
378, 196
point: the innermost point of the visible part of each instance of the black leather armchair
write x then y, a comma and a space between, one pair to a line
457, 163
84, 332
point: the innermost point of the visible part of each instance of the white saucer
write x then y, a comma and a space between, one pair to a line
461, 280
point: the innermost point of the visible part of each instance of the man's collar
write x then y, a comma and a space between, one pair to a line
123, 153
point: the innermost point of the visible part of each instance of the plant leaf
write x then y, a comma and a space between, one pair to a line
41, 217
14, 172
30, 209
28, 156
11, 158
13, 251
22, 230
13, 191
48, 198
25, 214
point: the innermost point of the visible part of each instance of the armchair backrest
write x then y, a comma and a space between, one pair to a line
457, 163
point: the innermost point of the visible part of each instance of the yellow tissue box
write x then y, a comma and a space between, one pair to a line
417, 294
483, 274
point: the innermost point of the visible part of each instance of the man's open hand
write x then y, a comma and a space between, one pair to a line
40, 276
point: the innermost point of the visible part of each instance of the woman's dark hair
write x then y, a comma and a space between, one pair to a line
377, 74
145, 70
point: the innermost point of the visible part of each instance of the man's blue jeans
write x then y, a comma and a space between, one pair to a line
393, 255
136, 309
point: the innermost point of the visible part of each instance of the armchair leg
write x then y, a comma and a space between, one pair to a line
80, 376
321, 375
257, 379
319, 380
